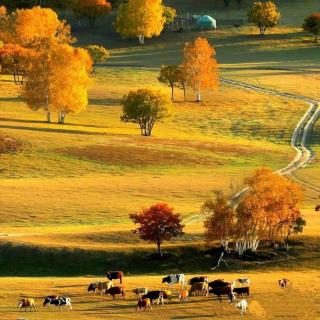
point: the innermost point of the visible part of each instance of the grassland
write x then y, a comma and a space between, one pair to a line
66, 197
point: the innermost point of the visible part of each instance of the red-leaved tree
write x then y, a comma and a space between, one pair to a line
157, 224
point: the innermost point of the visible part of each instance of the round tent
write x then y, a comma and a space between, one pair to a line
207, 22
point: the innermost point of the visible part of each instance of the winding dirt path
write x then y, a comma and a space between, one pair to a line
299, 140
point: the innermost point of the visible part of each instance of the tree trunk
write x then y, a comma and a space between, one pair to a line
172, 97
141, 40
198, 96
49, 116
159, 249
61, 117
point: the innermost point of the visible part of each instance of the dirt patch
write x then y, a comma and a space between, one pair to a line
134, 156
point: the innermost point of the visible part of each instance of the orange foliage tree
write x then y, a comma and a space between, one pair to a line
200, 66
269, 210
157, 224
220, 224
91, 9
15, 60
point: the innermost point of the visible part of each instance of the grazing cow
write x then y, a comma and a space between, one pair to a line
198, 279
242, 291
140, 291
283, 283
174, 278
317, 208
113, 275
61, 302
100, 286
27, 303
221, 288
199, 289
144, 304
154, 296
113, 291
245, 281
183, 295
47, 299
242, 306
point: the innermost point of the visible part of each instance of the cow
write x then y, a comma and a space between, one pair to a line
47, 299
183, 295
140, 291
158, 296
242, 291
245, 281
100, 286
221, 288
174, 278
113, 275
283, 283
199, 289
61, 302
27, 302
198, 279
113, 291
317, 209
242, 306
144, 304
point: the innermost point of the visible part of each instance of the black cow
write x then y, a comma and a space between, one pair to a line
48, 299
242, 291
317, 208
198, 279
156, 295
221, 288
113, 291
112, 275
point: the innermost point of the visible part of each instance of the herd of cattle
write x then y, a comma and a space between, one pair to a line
196, 286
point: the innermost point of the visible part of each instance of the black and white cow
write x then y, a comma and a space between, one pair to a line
48, 299
61, 302
175, 278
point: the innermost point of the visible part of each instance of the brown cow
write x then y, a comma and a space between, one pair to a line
199, 289
144, 304
283, 283
113, 275
317, 208
113, 291
27, 302
183, 295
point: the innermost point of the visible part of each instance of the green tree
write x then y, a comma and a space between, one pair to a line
98, 54
312, 25
264, 15
145, 107
169, 75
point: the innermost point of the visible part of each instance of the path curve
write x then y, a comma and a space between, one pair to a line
299, 139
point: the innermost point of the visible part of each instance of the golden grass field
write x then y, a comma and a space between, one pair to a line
65, 199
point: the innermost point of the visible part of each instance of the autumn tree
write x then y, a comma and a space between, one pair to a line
200, 66
145, 107
169, 14
169, 75
15, 60
157, 224
58, 81
141, 19
36, 27
220, 223
92, 9
264, 15
269, 210
98, 54
312, 25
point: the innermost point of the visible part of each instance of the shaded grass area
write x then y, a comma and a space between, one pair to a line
26, 260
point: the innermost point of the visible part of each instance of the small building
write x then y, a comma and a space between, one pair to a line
206, 22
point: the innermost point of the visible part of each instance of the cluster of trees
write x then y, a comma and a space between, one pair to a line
269, 211
37, 50
199, 69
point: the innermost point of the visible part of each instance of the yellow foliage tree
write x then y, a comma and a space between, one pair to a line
268, 211
34, 28
200, 66
58, 81
140, 18
264, 15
